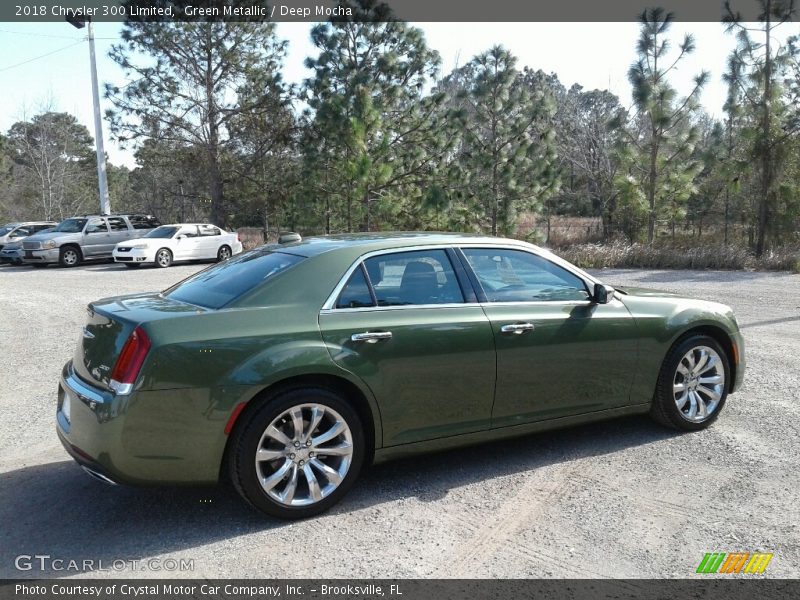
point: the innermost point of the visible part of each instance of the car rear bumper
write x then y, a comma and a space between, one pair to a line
145, 438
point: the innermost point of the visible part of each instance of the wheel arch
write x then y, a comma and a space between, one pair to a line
345, 388
74, 245
719, 335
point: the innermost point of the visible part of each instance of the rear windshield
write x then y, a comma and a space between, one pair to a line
225, 282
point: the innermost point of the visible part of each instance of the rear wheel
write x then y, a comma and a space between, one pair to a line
297, 454
693, 384
69, 256
163, 258
224, 253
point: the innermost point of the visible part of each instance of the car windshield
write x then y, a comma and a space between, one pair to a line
221, 284
5, 230
71, 226
162, 232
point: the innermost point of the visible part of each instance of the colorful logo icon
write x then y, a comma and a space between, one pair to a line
734, 562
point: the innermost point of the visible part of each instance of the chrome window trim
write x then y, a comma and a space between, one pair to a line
330, 304
329, 311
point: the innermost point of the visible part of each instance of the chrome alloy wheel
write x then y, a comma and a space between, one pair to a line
304, 454
699, 383
163, 258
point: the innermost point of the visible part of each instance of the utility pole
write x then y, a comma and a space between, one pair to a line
79, 21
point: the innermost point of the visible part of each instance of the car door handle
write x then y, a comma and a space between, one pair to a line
517, 328
371, 337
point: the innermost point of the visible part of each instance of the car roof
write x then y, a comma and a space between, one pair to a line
361, 243
22, 223
189, 225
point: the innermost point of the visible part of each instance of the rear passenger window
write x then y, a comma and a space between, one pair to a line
417, 277
143, 222
117, 224
209, 230
356, 292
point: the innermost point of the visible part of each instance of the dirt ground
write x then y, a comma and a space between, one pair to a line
624, 498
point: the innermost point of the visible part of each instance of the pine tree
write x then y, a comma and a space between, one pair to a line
376, 138
662, 150
186, 82
507, 160
755, 69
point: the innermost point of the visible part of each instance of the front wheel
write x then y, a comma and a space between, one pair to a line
297, 454
69, 256
163, 258
224, 253
692, 385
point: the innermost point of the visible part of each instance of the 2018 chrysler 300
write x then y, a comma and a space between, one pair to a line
289, 367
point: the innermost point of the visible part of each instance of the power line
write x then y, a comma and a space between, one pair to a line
45, 35
25, 62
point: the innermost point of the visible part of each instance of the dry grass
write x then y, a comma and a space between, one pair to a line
251, 237
679, 255
564, 231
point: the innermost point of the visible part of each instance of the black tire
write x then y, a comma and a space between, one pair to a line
132, 265
246, 438
664, 409
69, 256
224, 253
163, 258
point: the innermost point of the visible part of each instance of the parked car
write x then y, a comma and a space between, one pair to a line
16, 232
289, 367
12, 252
85, 238
177, 242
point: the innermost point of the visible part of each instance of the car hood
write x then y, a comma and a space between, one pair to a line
52, 235
139, 241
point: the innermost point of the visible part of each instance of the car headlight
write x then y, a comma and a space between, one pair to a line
139, 246
49, 244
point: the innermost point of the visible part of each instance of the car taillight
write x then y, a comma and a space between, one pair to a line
130, 362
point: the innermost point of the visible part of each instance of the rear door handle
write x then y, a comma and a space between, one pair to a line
371, 337
517, 328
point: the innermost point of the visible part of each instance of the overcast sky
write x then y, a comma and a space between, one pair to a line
594, 55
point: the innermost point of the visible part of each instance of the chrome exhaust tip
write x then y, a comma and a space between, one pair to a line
98, 476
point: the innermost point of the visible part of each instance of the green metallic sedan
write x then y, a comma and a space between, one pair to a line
290, 367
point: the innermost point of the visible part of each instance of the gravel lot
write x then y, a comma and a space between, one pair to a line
620, 499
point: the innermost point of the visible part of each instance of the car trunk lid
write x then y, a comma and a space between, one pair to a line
110, 322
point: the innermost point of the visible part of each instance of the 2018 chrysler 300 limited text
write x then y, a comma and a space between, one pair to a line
289, 367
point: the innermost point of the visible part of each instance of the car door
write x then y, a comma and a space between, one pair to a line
119, 231
186, 243
558, 352
96, 238
411, 330
209, 242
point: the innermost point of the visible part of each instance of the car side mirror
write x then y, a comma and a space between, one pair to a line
180, 237
603, 294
